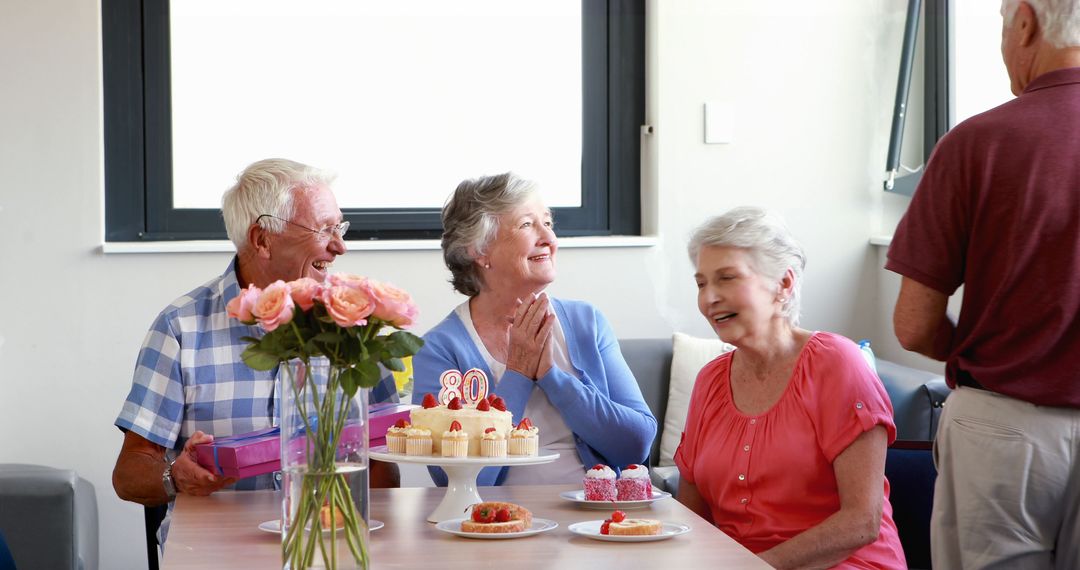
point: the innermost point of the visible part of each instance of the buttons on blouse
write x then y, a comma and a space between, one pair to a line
744, 500
858, 405
742, 477
753, 421
746, 448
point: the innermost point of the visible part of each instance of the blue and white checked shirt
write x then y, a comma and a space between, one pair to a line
189, 375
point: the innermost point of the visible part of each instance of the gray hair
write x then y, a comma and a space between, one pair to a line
266, 187
470, 220
1059, 19
766, 238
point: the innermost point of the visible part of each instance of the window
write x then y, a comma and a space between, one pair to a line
962, 75
176, 126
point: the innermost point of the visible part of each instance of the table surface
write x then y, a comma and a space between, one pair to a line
221, 531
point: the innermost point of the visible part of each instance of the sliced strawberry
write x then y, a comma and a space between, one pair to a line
489, 430
618, 516
525, 424
502, 515
429, 401
599, 467
401, 423
631, 466
499, 404
604, 527
454, 404
455, 426
483, 406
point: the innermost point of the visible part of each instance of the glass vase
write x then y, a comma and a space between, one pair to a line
324, 460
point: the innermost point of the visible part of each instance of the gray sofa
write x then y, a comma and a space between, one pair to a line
48, 517
917, 395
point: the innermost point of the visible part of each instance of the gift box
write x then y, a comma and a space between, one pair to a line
244, 455
259, 452
381, 417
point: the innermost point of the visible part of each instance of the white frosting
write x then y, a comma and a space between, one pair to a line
473, 422
531, 432
418, 432
455, 434
641, 472
493, 435
604, 472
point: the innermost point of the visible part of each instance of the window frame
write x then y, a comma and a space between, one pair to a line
936, 90
137, 129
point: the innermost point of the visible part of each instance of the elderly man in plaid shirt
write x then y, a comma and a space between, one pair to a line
190, 383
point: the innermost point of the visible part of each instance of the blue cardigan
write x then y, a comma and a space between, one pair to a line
610, 420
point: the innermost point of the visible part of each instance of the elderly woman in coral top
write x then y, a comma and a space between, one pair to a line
785, 438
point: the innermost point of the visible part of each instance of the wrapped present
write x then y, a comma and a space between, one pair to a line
381, 417
258, 452
244, 455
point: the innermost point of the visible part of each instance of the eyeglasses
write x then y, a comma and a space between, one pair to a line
323, 235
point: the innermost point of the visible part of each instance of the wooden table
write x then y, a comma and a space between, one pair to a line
221, 531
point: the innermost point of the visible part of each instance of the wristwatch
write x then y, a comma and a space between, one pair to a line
167, 482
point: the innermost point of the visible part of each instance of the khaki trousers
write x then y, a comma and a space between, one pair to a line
1008, 487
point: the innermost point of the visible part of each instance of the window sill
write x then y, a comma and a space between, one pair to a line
881, 240
222, 246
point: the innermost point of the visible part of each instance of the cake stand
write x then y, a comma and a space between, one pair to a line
461, 473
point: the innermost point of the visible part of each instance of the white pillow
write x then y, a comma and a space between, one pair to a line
689, 356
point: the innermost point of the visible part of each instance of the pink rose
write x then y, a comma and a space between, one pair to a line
304, 291
393, 305
275, 306
241, 305
349, 280
348, 306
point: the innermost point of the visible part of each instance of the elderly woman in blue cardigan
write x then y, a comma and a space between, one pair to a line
554, 361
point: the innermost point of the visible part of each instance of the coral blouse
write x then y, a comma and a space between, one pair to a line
769, 477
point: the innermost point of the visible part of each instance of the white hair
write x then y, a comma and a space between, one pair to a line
763, 234
1059, 19
470, 221
267, 187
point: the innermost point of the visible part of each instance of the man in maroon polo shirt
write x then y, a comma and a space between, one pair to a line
998, 211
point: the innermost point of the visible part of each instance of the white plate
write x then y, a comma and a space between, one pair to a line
579, 498
381, 454
591, 529
453, 526
274, 526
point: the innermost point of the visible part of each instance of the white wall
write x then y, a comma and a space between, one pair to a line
812, 85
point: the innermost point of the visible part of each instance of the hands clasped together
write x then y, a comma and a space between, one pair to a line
530, 337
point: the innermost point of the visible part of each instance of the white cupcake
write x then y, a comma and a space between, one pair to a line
493, 443
524, 439
418, 441
396, 437
455, 443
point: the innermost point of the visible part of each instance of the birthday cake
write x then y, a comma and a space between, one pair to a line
467, 403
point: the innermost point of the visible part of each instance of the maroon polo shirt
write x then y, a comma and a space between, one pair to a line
998, 211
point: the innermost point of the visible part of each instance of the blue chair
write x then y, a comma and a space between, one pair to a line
6, 561
909, 467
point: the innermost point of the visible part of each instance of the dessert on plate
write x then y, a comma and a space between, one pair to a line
524, 439
619, 525
492, 443
455, 442
634, 484
497, 517
599, 484
474, 418
396, 436
418, 441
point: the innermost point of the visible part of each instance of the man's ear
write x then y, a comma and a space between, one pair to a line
259, 240
1027, 25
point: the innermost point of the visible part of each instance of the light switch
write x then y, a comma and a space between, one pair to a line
719, 123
